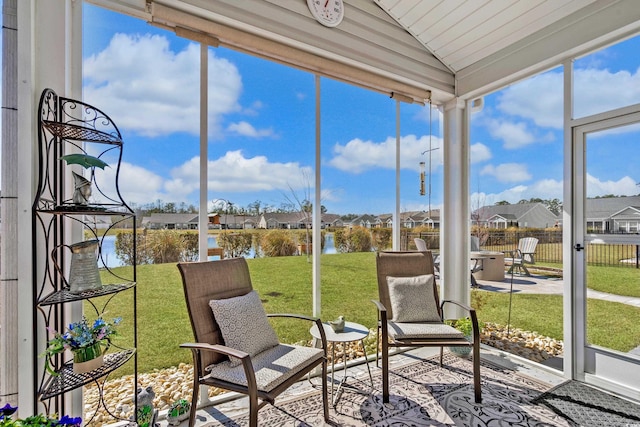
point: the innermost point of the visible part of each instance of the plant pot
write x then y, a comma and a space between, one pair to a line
462, 351
87, 358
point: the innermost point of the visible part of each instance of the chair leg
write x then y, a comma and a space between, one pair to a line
377, 346
385, 371
325, 399
441, 355
194, 400
476, 372
253, 410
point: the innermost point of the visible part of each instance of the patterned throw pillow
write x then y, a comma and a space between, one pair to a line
244, 324
412, 299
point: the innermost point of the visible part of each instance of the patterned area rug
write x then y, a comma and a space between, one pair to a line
423, 394
584, 405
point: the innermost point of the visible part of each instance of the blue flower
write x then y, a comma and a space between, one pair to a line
69, 421
7, 410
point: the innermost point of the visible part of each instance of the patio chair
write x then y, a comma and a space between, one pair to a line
410, 313
421, 246
476, 263
236, 348
524, 254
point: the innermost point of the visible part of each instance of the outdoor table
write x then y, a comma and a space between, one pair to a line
491, 267
352, 332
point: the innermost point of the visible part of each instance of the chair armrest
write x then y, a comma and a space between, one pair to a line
317, 321
216, 348
245, 358
381, 308
459, 304
472, 314
382, 318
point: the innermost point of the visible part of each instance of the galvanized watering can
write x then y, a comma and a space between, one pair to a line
83, 274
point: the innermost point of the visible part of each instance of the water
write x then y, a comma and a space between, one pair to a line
111, 260
109, 252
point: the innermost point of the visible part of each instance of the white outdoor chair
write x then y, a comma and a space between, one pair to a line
524, 254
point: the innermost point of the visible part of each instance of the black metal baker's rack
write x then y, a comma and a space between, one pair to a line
68, 126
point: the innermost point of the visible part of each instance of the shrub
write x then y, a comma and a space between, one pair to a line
278, 243
357, 239
124, 247
381, 238
234, 244
157, 247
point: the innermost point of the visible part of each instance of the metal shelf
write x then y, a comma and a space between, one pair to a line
80, 133
67, 380
65, 295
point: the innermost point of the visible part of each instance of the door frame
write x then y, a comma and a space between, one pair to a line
595, 365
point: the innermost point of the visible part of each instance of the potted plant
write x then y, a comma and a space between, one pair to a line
86, 341
35, 420
465, 326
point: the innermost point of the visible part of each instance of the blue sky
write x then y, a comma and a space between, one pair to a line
262, 127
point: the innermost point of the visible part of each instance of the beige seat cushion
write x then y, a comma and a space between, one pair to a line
272, 367
413, 298
400, 331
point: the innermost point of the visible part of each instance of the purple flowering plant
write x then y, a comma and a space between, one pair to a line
80, 335
39, 420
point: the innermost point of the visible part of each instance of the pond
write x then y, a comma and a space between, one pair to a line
111, 260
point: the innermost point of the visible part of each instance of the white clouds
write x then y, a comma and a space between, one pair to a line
246, 129
151, 90
540, 98
507, 172
600, 90
143, 186
231, 173
514, 135
235, 173
357, 155
625, 186
553, 189
479, 152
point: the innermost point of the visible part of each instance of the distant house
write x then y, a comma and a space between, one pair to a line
532, 215
613, 215
293, 220
411, 219
366, 221
331, 220
99, 222
171, 221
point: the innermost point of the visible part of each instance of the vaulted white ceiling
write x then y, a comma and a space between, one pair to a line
452, 48
460, 33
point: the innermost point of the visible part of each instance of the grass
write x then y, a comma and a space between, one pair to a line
348, 286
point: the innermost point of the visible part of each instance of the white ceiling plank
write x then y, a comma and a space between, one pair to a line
534, 20
475, 25
402, 8
592, 27
428, 27
488, 32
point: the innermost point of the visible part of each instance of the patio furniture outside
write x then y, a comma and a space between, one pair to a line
523, 254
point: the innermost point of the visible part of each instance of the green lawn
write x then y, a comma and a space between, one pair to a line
348, 285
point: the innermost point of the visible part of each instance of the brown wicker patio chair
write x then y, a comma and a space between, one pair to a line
410, 313
236, 348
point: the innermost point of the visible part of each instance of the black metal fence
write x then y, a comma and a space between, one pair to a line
548, 250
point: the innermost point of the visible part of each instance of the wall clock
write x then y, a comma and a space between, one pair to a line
327, 12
